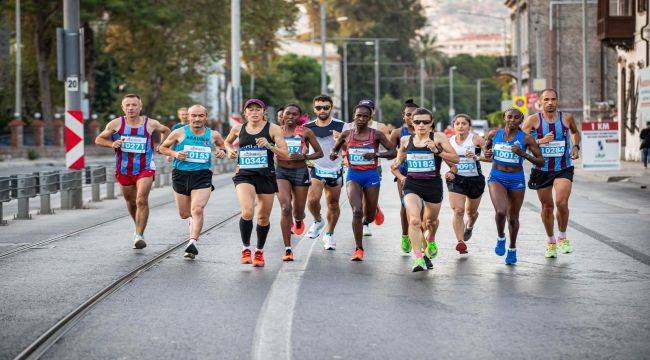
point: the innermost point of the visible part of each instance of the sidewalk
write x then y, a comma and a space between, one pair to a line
630, 171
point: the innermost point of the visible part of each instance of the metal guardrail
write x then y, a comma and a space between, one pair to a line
70, 184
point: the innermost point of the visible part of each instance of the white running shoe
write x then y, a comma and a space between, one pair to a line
315, 229
366, 230
138, 242
328, 243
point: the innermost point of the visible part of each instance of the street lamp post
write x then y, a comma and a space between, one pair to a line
452, 111
377, 85
18, 94
345, 82
235, 58
323, 37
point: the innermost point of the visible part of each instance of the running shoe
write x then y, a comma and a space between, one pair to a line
138, 242
246, 256
288, 255
467, 234
431, 250
358, 255
328, 243
428, 262
511, 258
366, 230
419, 265
258, 260
315, 229
298, 230
461, 247
379, 216
191, 251
564, 246
551, 250
500, 249
406, 244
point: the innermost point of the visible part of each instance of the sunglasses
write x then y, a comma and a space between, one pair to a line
422, 122
319, 108
516, 117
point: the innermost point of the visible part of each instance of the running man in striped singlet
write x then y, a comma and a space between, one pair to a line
130, 136
558, 138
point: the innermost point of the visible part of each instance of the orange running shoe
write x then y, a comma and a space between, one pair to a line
246, 257
379, 216
258, 260
298, 230
358, 255
288, 255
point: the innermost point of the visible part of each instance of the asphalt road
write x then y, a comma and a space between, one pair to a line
593, 303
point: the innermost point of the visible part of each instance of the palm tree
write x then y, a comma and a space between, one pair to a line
426, 47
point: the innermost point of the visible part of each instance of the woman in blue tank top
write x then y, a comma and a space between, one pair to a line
507, 150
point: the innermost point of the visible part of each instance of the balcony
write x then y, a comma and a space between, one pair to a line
616, 25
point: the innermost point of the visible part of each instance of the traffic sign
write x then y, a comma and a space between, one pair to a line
521, 103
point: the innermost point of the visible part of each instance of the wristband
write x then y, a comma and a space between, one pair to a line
578, 146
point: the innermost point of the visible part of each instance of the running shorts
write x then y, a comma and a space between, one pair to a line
429, 190
365, 178
297, 177
510, 180
183, 182
264, 184
541, 179
329, 181
130, 180
470, 186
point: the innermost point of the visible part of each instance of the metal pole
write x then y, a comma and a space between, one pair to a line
538, 56
323, 38
422, 82
377, 95
433, 94
235, 56
478, 98
452, 111
586, 102
518, 46
19, 45
345, 82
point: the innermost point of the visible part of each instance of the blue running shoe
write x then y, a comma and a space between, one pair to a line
511, 258
500, 249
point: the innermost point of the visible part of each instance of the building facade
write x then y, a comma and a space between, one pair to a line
475, 44
623, 26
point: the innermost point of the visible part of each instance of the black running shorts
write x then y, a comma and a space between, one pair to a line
470, 186
183, 182
542, 179
264, 184
429, 190
297, 177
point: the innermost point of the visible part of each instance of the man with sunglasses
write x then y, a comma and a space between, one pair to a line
326, 174
558, 138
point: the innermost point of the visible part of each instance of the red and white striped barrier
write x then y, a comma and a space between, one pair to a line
74, 140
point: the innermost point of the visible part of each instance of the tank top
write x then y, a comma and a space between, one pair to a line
421, 162
466, 166
324, 167
198, 148
557, 153
252, 159
502, 149
404, 132
358, 147
136, 152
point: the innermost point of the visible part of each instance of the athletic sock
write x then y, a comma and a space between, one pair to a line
501, 238
551, 239
192, 241
360, 248
562, 235
287, 248
329, 233
512, 249
246, 229
262, 233
418, 253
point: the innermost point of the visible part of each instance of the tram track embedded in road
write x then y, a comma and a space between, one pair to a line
37, 348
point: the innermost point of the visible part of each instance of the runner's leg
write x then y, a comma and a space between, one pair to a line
355, 196
199, 198
545, 196
143, 186
457, 202
130, 194
516, 199
332, 196
284, 197
313, 199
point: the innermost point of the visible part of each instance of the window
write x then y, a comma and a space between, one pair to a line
622, 7
642, 5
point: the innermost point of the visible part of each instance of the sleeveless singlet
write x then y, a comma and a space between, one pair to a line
466, 166
421, 162
358, 147
198, 148
502, 149
136, 152
557, 153
254, 160
324, 167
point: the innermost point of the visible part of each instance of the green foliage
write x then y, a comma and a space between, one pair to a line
495, 118
392, 109
32, 154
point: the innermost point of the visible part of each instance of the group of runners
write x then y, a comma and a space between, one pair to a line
299, 162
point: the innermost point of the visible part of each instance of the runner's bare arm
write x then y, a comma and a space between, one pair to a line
280, 147
217, 140
230, 139
339, 143
537, 157
529, 123
105, 137
166, 147
383, 128
390, 147
155, 125
448, 153
576, 138
313, 142
395, 137
401, 151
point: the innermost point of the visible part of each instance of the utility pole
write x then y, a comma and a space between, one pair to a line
586, 102
478, 99
323, 38
377, 85
72, 70
19, 50
345, 82
518, 46
235, 56
422, 73
452, 111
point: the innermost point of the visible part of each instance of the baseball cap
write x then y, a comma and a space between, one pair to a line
255, 101
367, 102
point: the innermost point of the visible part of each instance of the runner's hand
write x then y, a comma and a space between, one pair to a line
296, 156
369, 156
220, 154
180, 155
470, 155
261, 142
450, 176
334, 156
335, 135
232, 154
488, 154
547, 138
117, 144
575, 153
517, 150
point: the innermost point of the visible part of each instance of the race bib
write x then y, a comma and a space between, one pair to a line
503, 152
355, 156
467, 167
294, 145
326, 173
253, 159
134, 144
421, 162
197, 154
554, 148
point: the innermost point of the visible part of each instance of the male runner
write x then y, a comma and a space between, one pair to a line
193, 146
130, 136
183, 118
558, 138
326, 174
